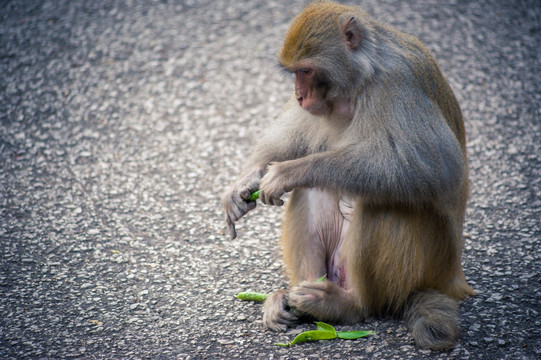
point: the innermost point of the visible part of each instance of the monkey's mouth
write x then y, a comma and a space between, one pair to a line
313, 107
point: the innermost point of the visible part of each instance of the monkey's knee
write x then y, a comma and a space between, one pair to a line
276, 313
433, 320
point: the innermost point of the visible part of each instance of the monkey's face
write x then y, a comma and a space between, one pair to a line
310, 90
317, 50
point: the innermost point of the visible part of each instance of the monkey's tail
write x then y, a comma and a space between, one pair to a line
432, 318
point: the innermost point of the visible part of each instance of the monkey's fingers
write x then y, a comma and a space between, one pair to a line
231, 227
250, 205
268, 199
276, 315
245, 194
281, 321
264, 198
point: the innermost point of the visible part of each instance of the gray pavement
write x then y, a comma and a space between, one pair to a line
123, 121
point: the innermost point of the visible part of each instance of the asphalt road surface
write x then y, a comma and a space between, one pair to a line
123, 121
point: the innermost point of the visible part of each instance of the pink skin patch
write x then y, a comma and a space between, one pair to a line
304, 78
329, 220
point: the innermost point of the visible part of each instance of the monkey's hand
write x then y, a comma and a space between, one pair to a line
275, 183
276, 313
236, 200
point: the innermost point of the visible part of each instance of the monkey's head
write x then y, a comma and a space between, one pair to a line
319, 49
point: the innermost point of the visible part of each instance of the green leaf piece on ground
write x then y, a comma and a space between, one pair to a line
326, 332
252, 296
322, 279
311, 335
325, 327
352, 335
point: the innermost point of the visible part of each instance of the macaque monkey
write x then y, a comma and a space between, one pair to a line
372, 148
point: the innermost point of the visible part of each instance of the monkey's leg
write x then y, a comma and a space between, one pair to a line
310, 239
312, 219
408, 259
316, 249
304, 254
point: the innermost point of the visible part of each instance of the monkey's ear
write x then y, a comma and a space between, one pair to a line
352, 33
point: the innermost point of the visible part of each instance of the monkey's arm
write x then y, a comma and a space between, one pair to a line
392, 165
280, 143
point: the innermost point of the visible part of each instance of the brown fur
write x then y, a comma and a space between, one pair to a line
372, 147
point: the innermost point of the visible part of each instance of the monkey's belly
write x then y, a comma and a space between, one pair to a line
329, 221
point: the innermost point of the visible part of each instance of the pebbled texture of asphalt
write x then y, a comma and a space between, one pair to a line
123, 121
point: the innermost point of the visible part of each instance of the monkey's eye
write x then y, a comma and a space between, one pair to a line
305, 71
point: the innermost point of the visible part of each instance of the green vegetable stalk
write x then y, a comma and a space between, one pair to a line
254, 196
252, 296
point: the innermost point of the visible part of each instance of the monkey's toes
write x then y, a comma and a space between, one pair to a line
302, 299
278, 319
276, 314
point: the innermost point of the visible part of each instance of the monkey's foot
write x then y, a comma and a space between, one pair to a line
324, 301
276, 312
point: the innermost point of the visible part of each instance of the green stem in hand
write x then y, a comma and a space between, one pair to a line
254, 196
